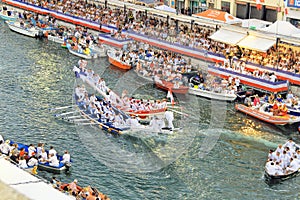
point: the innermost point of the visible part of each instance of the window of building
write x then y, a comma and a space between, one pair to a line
225, 6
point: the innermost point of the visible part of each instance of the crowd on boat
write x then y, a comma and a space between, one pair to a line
273, 103
215, 84
80, 193
284, 160
28, 157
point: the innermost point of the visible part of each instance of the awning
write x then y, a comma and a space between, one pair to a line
257, 43
227, 36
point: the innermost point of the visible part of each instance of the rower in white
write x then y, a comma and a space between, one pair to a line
169, 117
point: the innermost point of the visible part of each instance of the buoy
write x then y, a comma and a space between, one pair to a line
299, 128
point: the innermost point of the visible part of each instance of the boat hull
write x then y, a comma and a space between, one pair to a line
271, 179
81, 55
28, 32
6, 17
168, 86
212, 95
112, 60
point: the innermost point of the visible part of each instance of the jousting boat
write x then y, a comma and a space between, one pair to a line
116, 61
142, 114
267, 116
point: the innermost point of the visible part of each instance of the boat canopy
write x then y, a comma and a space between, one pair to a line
257, 43
228, 36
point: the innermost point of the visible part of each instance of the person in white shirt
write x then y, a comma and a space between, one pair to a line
271, 168
169, 117
31, 150
291, 144
22, 163
133, 122
66, 157
5, 147
39, 149
32, 161
1, 138
53, 161
273, 78
278, 169
155, 125
293, 166
52, 151
271, 154
43, 157
279, 149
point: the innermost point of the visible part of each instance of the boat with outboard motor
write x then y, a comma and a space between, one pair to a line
263, 114
221, 96
63, 166
24, 29
114, 59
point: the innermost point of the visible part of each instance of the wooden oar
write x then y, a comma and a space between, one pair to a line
66, 113
178, 112
60, 108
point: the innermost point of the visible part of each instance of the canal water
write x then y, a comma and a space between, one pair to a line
218, 154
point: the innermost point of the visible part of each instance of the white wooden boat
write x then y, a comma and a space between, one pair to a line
15, 26
211, 94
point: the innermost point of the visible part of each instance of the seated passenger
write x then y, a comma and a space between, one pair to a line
32, 161
53, 161
66, 157
283, 110
22, 163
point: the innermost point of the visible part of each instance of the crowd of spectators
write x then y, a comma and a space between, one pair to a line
196, 36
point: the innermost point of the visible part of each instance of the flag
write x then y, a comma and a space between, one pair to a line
170, 95
259, 4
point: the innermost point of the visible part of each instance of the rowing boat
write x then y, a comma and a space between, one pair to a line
109, 127
16, 27
275, 179
211, 94
142, 114
263, 115
116, 61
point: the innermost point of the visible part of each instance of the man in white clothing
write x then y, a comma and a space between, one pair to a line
66, 157
52, 151
169, 117
155, 125
53, 161
32, 161
293, 166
